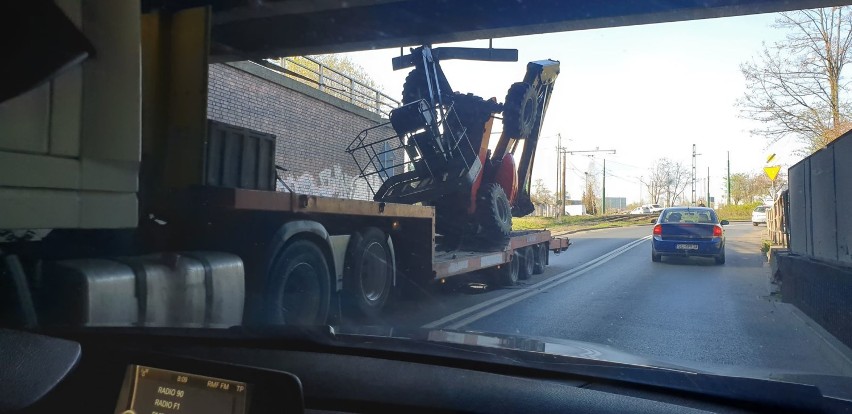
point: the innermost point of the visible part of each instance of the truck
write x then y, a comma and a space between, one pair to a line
114, 205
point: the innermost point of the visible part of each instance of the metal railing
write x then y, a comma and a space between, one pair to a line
370, 146
315, 74
776, 221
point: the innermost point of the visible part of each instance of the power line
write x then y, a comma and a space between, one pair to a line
627, 165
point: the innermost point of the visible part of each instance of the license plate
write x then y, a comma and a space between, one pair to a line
686, 246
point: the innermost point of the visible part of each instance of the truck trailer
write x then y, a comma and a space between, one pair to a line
107, 207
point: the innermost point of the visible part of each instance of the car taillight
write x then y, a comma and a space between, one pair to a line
717, 231
658, 230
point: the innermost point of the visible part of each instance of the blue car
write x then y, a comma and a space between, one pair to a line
689, 231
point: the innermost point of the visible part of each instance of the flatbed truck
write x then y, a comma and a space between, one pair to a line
112, 220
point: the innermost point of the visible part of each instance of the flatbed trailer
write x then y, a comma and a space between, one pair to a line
333, 224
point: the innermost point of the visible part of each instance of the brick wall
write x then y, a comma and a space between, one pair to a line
312, 128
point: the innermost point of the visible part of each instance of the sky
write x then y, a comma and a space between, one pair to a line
647, 92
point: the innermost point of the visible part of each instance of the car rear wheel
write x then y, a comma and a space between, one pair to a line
720, 259
655, 257
754, 223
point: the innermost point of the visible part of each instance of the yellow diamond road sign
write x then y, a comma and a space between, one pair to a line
772, 172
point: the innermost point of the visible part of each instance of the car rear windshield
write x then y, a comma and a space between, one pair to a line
689, 216
761, 209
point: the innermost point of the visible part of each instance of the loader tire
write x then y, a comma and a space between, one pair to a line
414, 88
494, 214
520, 110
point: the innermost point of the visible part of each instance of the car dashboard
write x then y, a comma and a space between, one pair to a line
130, 373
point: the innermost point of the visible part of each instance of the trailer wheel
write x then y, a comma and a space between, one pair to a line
541, 253
507, 273
369, 272
527, 265
494, 214
298, 289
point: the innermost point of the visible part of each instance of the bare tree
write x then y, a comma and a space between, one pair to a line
590, 193
656, 183
667, 182
795, 87
541, 194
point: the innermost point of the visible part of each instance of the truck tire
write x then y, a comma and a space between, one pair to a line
494, 215
507, 274
298, 286
527, 265
368, 274
540, 258
520, 110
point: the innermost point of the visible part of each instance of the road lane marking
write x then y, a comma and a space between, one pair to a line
481, 310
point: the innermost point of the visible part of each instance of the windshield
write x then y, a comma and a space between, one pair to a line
685, 215
518, 191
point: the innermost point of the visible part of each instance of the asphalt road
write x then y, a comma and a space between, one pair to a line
606, 290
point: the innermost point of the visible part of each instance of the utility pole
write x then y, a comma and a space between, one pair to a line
729, 177
558, 149
708, 188
603, 196
591, 152
564, 170
693, 173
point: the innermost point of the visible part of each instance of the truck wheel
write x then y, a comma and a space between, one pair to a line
507, 273
368, 274
494, 214
540, 258
298, 290
527, 264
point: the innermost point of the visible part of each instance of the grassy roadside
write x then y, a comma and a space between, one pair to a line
738, 213
572, 224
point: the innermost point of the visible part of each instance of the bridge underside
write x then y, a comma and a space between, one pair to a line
262, 28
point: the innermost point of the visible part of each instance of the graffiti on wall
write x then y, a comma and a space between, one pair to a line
332, 182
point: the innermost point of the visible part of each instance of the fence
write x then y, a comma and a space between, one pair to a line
776, 221
545, 210
820, 191
315, 74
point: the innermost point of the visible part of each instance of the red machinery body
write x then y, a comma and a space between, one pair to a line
507, 176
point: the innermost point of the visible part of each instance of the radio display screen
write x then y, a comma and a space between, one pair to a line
148, 390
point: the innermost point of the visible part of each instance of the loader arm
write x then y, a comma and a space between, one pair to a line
542, 75
525, 108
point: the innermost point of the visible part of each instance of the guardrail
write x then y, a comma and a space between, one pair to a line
315, 74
